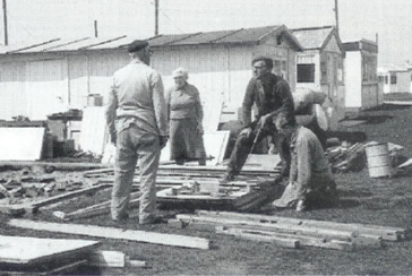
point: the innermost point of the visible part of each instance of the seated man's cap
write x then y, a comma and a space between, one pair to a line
137, 45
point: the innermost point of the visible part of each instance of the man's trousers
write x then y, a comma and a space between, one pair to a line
244, 145
134, 144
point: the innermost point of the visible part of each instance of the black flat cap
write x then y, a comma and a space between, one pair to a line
137, 45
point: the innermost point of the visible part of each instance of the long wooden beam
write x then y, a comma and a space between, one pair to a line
95, 210
34, 205
267, 236
282, 228
289, 242
386, 232
114, 233
56, 165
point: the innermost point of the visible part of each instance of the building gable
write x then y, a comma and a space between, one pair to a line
333, 45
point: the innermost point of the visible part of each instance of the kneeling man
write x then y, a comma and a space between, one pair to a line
311, 182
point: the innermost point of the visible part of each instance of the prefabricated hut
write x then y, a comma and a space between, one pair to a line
219, 63
396, 79
53, 76
362, 86
320, 66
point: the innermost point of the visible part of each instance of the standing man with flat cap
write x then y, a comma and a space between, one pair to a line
136, 117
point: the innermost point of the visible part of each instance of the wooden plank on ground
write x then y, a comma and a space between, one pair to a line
289, 242
106, 258
386, 232
19, 250
95, 210
113, 233
64, 196
12, 210
21, 143
55, 268
218, 168
304, 241
55, 165
263, 161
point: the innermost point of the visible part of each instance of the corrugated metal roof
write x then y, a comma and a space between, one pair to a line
230, 36
204, 38
312, 38
52, 45
251, 35
167, 39
248, 35
115, 44
26, 47
84, 44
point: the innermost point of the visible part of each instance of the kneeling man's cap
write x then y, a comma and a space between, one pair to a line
137, 45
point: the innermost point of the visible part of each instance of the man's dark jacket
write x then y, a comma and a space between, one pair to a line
270, 93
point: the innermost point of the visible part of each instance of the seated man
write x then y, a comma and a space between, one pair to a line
271, 95
311, 182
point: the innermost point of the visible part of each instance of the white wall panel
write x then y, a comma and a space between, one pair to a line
101, 68
353, 80
78, 81
46, 88
12, 90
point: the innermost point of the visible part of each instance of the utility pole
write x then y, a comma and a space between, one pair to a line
336, 16
96, 30
6, 36
156, 17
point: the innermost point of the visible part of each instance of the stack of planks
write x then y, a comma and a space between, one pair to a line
293, 232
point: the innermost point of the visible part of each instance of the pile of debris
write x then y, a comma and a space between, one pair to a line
346, 157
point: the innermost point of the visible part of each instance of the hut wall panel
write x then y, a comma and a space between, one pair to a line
12, 90
78, 81
240, 72
46, 88
353, 80
101, 68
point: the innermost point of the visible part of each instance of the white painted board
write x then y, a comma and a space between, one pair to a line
21, 144
19, 250
93, 133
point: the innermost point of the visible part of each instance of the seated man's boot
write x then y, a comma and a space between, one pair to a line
202, 162
180, 161
227, 177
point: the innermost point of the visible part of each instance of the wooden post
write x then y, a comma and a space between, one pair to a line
96, 31
156, 17
337, 16
6, 35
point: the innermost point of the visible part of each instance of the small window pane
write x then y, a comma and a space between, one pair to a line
306, 72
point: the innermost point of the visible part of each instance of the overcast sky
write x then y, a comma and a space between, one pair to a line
391, 20
46, 19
